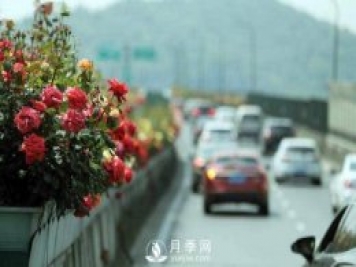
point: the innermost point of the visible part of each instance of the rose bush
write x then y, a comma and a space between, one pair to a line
155, 120
63, 135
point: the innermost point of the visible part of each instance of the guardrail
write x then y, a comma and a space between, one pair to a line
311, 117
106, 236
311, 113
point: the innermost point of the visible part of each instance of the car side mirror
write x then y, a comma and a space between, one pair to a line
306, 247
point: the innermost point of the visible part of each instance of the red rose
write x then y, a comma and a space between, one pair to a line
120, 150
118, 89
131, 128
116, 169
125, 127
34, 148
129, 144
128, 175
73, 121
5, 44
2, 56
6, 75
77, 98
38, 105
52, 97
27, 120
118, 133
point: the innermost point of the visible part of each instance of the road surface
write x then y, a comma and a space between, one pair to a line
234, 235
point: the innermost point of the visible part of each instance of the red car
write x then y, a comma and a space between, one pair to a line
236, 177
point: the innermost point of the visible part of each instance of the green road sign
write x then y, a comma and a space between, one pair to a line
108, 54
144, 53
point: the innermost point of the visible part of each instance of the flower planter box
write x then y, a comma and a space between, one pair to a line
16, 228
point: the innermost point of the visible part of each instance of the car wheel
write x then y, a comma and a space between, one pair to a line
280, 180
207, 206
195, 187
316, 181
263, 209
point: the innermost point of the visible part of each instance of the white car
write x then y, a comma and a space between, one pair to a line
225, 113
343, 184
218, 131
249, 121
297, 158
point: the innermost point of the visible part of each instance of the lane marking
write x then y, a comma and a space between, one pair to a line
300, 226
292, 214
285, 204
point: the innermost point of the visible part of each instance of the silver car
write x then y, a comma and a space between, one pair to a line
297, 158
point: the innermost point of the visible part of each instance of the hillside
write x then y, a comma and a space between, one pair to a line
293, 49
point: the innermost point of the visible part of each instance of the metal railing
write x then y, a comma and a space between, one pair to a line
106, 236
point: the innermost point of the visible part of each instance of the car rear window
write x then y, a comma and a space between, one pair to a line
282, 129
220, 134
237, 160
251, 118
301, 150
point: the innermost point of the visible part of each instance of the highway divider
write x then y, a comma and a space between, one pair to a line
106, 236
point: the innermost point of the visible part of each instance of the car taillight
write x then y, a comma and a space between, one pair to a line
196, 112
350, 184
198, 162
211, 112
210, 173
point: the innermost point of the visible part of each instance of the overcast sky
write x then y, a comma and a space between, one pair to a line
321, 9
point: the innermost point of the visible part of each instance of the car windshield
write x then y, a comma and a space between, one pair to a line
237, 160
251, 121
282, 129
251, 118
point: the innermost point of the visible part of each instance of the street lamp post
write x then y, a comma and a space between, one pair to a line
253, 52
253, 56
335, 59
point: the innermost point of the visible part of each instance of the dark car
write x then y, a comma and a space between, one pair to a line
338, 246
197, 108
274, 130
237, 177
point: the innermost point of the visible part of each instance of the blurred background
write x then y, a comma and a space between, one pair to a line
283, 47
